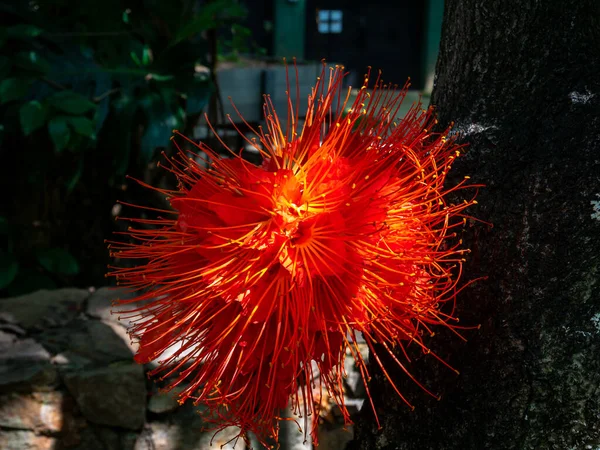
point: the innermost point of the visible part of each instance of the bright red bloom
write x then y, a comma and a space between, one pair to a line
266, 272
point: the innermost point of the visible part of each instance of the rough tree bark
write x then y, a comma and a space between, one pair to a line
521, 81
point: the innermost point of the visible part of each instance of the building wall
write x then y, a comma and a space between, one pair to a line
289, 28
382, 34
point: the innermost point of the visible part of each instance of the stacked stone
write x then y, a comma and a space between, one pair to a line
68, 381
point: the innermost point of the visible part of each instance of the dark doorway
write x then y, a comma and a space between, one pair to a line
383, 34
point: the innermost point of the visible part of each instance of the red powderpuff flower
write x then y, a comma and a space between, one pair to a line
267, 272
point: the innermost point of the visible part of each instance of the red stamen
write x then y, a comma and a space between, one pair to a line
266, 270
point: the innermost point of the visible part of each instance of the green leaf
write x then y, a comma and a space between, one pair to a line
59, 133
157, 77
146, 55
162, 118
241, 37
32, 115
9, 267
71, 102
120, 124
32, 61
135, 58
74, 178
58, 261
212, 15
81, 125
198, 95
23, 31
13, 89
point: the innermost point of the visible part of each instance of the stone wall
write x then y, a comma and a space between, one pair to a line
68, 381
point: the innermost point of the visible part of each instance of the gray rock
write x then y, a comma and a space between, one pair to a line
12, 329
163, 402
7, 318
353, 380
27, 377
121, 332
354, 405
69, 361
98, 437
294, 432
354, 383
75, 433
185, 428
111, 340
83, 340
158, 436
25, 440
85, 438
41, 412
24, 365
114, 395
7, 341
13, 349
181, 435
44, 308
99, 304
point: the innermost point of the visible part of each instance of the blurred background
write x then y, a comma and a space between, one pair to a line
91, 91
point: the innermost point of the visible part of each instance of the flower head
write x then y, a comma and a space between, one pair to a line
266, 273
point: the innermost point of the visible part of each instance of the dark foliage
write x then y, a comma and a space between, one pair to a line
90, 92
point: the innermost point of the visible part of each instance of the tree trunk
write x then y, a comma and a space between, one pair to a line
521, 81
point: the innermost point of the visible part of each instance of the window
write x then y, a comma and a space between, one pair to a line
329, 21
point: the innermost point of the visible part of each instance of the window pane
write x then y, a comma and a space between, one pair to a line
323, 15
336, 15
323, 27
335, 27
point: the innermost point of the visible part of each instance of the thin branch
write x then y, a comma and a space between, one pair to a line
54, 84
108, 93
